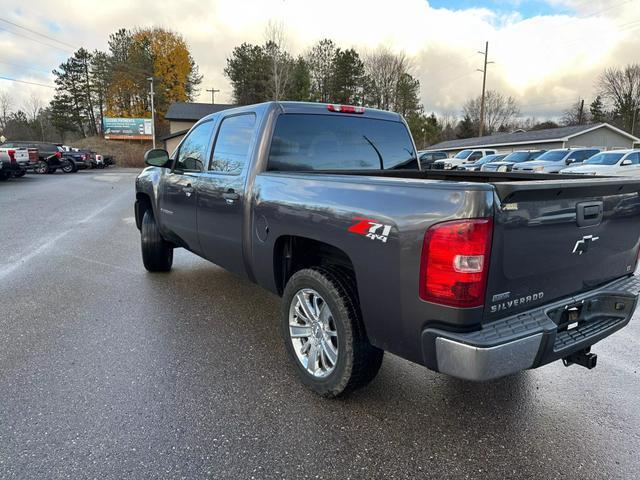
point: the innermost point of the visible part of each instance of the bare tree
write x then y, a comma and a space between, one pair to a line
621, 87
34, 110
384, 69
5, 109
32, 107
281, 62
499, 111
576, 114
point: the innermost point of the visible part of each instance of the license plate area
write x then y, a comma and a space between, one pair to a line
569, 317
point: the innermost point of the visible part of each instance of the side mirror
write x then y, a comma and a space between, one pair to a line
569, 161
157, 157
626, 162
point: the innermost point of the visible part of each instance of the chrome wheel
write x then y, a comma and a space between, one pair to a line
313, 333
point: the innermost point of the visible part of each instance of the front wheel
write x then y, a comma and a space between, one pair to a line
324, 334
157, 253
69, 167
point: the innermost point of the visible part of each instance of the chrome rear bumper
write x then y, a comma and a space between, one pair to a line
531, 339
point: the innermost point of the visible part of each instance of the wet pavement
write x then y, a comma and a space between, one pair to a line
107, 371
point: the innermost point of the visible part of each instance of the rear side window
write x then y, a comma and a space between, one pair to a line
635, 158
333, 142
581, 155
231, 151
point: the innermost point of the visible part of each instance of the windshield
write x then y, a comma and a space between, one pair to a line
463, 154
517, 157
340, 142
605, 159
553, 155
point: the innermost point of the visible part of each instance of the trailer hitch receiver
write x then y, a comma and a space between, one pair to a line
583, 358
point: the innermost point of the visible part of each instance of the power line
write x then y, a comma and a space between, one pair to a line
25, 67
27, 82
36, 32
36, 40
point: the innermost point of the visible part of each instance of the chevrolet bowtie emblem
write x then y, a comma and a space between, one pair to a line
582, 245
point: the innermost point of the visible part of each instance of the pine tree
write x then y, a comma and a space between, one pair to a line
597, 110
248, 70
347, 72
466, 128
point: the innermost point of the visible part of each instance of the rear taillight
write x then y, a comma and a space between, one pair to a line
455, 261
12, 155
58, 154
345, 108
84, 157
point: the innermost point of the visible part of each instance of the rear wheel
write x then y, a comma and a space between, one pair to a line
324, 334
42, 167
157, 253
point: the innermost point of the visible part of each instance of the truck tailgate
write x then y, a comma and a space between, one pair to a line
553, 239
22, 155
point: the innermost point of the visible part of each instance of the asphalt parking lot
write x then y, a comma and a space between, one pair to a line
107, 371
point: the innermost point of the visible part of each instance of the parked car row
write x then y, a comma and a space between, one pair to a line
19, 157
582, 160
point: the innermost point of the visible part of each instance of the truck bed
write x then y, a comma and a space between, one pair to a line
513, 186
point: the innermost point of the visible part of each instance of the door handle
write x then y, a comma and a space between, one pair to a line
187, 189
230, 196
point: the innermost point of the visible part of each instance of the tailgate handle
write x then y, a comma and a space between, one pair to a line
589, 213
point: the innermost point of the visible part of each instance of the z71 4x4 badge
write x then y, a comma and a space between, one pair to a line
371, 229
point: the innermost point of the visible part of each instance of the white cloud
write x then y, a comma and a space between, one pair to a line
542, 61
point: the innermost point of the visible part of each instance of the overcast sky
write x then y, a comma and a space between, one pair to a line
547, 53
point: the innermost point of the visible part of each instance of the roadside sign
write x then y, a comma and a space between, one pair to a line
127, 128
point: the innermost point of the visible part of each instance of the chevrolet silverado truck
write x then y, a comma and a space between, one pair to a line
472, 274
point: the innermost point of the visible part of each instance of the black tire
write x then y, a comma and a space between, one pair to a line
4, 176
42, 167
69, 167
157, 253
358, 361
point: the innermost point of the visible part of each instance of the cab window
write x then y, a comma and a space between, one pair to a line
192, 152
231, 151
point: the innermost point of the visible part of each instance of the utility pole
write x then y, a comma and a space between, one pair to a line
213, 92
484, 84
633, 122
153, 114
581, 112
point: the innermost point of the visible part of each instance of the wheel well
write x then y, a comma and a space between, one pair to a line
293, 253
143, 203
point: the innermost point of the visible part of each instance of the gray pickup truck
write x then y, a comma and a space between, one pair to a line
476, 275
